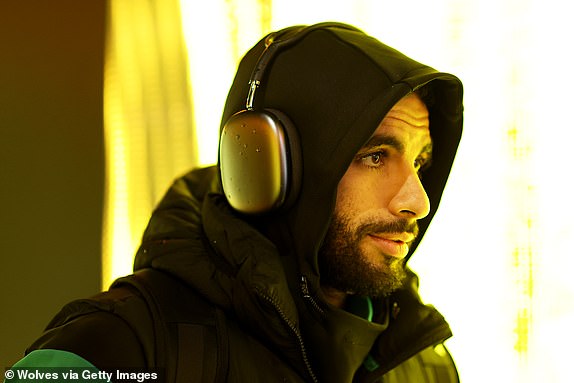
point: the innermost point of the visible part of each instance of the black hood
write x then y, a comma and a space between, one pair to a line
336, 84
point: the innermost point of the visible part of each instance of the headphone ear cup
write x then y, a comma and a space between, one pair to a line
259, 160
294, 157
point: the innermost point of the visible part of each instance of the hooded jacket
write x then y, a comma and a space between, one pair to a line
336, 84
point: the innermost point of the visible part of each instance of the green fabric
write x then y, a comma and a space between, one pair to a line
360, 306
52, 358
54, 366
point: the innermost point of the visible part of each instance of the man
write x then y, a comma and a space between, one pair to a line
307, 282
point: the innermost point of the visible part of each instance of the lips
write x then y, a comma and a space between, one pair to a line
395, 245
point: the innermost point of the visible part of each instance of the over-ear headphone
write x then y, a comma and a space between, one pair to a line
259, 153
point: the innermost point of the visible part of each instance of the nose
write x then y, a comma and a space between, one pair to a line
411, 200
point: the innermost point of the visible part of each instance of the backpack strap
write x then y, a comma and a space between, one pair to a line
188, 331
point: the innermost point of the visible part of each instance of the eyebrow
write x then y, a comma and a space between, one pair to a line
393, 142
384, 140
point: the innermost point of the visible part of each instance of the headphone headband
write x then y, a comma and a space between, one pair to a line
274, 43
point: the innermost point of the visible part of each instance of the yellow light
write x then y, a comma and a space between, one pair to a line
148, 129
217, 35
117, 228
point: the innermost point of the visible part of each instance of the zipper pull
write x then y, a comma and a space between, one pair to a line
307, 295
305, 287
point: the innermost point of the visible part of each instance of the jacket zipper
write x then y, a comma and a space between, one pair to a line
293, 329
308, 297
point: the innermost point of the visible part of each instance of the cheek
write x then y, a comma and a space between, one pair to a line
356, 195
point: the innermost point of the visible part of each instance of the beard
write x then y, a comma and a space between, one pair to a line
346, 267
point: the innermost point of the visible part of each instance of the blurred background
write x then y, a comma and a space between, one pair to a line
104, 103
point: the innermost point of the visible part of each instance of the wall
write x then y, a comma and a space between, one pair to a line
51, 162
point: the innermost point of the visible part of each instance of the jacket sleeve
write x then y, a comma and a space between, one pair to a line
433, 364
103, 339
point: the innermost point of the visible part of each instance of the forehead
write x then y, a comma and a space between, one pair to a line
408, 120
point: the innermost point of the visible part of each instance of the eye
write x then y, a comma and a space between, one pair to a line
422, 163
373, 160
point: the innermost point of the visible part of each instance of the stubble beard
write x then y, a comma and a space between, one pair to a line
345, 266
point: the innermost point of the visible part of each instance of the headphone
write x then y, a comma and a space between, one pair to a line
259, 153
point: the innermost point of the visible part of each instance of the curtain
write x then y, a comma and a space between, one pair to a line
149, 132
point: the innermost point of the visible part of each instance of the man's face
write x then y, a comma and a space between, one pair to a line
379, 201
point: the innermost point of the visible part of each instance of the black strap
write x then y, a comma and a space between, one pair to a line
189, 342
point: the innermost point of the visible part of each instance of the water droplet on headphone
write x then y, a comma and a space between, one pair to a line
258, 150
245, 145
243, 125
254, 131
237, 137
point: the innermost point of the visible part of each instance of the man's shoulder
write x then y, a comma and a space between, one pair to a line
137, 322
100, 337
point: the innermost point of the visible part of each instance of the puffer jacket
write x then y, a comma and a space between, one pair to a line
260, 274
